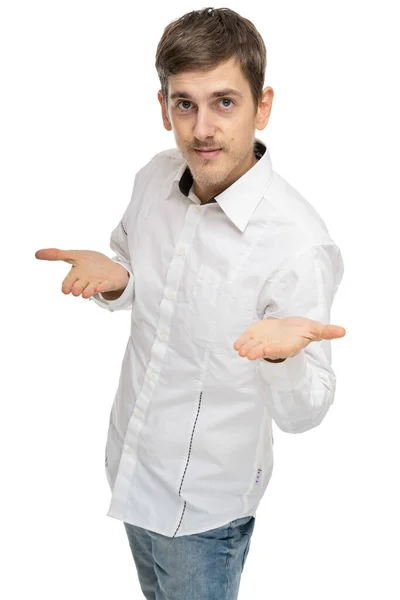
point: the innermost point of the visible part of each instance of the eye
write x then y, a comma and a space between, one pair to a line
183, 102
227, 100
221, 100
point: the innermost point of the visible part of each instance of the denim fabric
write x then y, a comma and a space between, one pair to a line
201, 566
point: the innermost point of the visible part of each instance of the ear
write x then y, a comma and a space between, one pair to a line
164, 112
264, 108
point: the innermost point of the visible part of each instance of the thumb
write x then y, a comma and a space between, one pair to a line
330, 332
55, 254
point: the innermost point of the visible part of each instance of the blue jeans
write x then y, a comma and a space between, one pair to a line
201, 566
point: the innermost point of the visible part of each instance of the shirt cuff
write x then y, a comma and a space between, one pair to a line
286, 375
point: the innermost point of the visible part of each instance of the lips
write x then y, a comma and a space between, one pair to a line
209, 153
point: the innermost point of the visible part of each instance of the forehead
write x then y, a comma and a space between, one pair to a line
203, 83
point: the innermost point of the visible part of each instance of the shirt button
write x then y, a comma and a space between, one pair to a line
171, 295
128, 450
181, 251
197, 208
162, 336
138, 413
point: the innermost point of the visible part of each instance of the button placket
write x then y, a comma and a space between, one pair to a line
138, 413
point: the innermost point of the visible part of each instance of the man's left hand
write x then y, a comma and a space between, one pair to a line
283, 338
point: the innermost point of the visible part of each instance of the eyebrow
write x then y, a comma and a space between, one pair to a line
217, 94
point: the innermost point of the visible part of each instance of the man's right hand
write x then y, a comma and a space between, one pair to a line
91, 271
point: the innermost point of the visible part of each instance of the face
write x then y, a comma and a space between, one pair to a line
215, 109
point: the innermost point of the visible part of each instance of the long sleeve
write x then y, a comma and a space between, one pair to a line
302, 388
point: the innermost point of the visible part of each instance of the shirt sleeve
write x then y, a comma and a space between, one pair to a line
302, 388
119, 244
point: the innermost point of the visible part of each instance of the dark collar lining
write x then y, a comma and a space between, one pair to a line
186, 181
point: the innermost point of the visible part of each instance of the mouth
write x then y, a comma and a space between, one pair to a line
209, 153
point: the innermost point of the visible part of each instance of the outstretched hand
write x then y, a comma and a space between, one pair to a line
91, 271
275, 338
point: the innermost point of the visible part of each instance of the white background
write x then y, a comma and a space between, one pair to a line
79, 116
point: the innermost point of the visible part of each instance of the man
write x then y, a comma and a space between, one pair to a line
230, 275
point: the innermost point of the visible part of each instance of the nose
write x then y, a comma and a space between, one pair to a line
204, 126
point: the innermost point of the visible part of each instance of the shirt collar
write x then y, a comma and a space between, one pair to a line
241, 198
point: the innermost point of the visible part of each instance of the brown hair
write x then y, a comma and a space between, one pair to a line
201, 39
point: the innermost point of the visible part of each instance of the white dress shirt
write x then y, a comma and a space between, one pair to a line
189, 444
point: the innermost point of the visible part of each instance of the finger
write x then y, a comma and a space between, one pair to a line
79, 286
69, 281
268, 350
239, 343
248, 345
90, 289
104, 286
